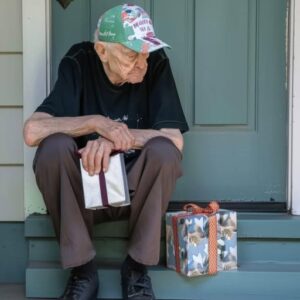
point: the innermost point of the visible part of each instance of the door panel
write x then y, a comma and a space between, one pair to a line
229, 63
224, 51
238, 152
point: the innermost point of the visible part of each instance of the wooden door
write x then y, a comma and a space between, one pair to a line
229, 61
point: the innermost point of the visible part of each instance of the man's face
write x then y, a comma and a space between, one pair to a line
126, 64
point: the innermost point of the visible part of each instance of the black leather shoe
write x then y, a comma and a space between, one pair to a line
81, 286
137, 285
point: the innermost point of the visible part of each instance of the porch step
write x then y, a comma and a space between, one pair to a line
250, 225
250, 281
261, 238
268, 258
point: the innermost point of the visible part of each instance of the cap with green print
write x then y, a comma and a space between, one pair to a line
130, 26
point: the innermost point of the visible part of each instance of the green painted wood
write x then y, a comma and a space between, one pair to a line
11, 193
223, 54
274, 250
176, 28
11, 26
235, 162
250, 225
11, 151
69, 26
48, 280
266, 225
113, 249
11, 79
13, 252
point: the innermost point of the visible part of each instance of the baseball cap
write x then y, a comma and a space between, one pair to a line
130, 26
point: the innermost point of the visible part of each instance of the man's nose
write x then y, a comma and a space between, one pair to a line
141, 61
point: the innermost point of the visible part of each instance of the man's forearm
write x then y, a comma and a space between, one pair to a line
142, 136
36, 129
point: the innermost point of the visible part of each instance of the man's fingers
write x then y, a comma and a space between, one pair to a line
102, 156
91, 158
98, 160
95, 155
106, 158
84, 155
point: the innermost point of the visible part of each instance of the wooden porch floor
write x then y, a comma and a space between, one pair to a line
17, 292
13, 292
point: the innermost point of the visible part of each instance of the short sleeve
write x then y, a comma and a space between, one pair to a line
64, 99
165, 110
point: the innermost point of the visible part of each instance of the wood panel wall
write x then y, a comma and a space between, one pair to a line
11, 112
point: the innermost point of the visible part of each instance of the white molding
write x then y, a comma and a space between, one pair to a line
295, 107
36, 59
290, 53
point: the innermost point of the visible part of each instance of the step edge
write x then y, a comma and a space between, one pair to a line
40, 226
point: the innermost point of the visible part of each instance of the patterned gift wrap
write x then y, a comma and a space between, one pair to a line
201, 248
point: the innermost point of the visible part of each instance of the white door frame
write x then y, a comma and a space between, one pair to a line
36, 15
36, 81
294, 109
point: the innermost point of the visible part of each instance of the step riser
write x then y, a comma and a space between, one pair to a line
115, 249
271, 238
169, 285
257, 226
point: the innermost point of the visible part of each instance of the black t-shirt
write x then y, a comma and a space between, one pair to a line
83, 88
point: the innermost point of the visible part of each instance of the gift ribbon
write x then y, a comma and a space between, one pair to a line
210, 211
102, 182
103, 190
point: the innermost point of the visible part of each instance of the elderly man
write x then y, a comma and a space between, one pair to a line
117, 93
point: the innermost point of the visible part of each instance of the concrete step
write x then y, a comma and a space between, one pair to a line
17, 292
251, 281
252, 250
261, 237
250, 225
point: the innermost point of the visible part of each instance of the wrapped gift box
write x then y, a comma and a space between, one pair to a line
199, 251
106, 189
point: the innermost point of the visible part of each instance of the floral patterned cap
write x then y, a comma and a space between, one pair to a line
130, 26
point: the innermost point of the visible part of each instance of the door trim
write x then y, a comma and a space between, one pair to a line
36, 16
294, 109
36, 84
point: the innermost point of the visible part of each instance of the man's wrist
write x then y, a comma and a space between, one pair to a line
95, 123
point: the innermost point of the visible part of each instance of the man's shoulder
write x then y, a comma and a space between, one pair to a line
77, 51
157, 60
158, 56
78, 56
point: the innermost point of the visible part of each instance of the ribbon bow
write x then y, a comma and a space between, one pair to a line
211, 208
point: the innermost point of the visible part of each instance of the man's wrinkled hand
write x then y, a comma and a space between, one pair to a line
118, 133
95, 155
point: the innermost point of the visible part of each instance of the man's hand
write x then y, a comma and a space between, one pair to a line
116, 132
95, 155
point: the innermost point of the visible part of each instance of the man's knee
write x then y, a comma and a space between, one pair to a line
162, 152
55, 148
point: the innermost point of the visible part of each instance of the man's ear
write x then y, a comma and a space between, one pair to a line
101, 50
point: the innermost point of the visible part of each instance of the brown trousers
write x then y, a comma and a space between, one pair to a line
151, 178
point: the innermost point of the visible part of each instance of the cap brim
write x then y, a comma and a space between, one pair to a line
145, 45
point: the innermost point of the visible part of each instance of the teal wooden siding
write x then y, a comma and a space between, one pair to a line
13, 252
228, 59
11, 112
